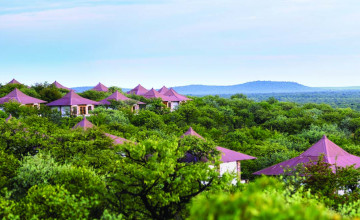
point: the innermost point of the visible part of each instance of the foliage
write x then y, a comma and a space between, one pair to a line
53, 202
80, 182
264, 199
149, 181
108, 116
95, 95
17, 110
42, 156
8, 167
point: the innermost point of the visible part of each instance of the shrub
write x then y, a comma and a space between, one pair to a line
264, 199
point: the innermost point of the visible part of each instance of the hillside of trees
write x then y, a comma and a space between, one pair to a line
49, 170
247, 88
336, 99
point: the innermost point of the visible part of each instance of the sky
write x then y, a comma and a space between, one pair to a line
180, 42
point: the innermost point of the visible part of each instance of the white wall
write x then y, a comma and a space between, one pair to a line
230, 167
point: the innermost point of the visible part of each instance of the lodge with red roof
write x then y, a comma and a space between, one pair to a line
163, 90
230, 159
100, 88
59, 86
138, 90
153, 94
14, 81
73, 104
170, 97
86, 124
117, 96
17, 96
332, 153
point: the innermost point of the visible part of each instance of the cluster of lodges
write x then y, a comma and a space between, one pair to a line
170, 97
332, 154
77, 105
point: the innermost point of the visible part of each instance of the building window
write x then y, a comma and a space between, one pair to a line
82, 110
89, 108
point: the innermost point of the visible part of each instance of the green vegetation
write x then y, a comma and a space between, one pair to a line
339, 99
49, 170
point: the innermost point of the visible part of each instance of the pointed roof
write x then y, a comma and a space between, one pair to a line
59, 86
72, 98
191, 132
20, 97
84, 123
100, 88
14, 81
163, 90
172, 93
227, 155
151, 94
117, 96
138, 90
333, 154
117, 140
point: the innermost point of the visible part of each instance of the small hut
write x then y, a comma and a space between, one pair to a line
117, 96
138, 90
59, 86
176, 97
74, 104
100, 88
86, 124
153, 94
163, 90
333, 154
17, 96
230, 159
14, 81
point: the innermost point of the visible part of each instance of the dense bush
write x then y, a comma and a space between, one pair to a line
264, 199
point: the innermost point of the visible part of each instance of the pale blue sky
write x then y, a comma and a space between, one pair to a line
180, 42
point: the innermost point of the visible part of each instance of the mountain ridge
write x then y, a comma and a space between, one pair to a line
253, 87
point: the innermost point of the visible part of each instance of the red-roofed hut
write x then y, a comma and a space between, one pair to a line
100, 88
176, 97
17, 96
153, 94
163, 90
117, 140
117, 96
74, 104
86, 124
333, 154
59, 86
138, 90
14, 81
230, 159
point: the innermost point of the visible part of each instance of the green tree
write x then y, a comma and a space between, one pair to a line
149, 181
54, 202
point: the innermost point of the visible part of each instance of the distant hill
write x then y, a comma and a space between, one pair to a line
247, 88
82, 88
255, 87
